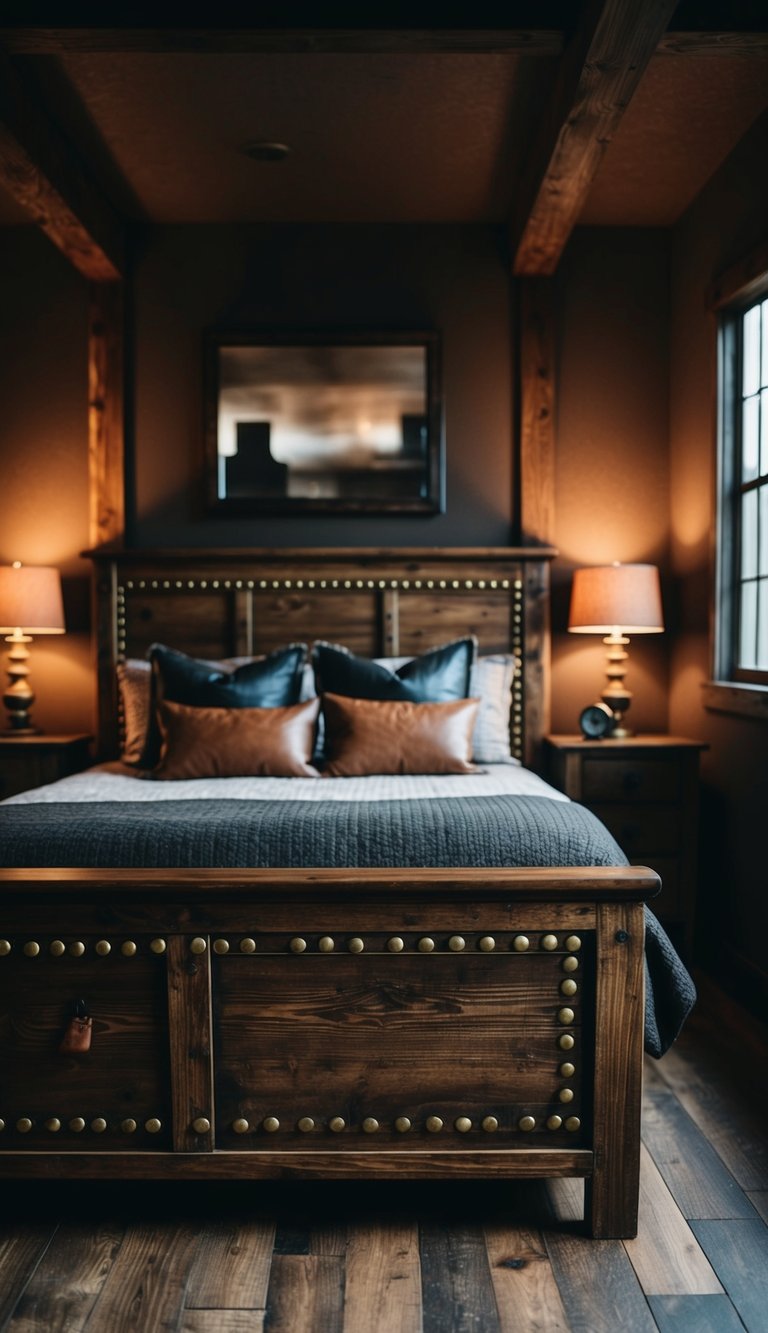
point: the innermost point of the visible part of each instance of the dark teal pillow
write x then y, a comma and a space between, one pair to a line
273, 681
437, 676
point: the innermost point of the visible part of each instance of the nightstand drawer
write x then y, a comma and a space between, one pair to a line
642, 830
634, 779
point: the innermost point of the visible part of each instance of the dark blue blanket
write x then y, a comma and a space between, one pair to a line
452, 832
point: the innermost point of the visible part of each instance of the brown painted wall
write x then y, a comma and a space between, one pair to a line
44, 454
612, 482
729, 217
453, 279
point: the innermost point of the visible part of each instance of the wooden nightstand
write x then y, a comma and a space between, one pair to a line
645, 790
31, 761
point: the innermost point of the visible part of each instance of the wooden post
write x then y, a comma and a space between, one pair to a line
535, 351
106, 447
189, 1023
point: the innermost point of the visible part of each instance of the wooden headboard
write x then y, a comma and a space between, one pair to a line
396, 602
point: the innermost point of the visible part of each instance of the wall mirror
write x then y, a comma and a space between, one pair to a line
323, 423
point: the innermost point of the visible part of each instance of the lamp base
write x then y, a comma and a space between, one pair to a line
621, 734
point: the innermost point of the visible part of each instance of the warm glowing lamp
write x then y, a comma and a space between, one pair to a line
30, 603
616, 601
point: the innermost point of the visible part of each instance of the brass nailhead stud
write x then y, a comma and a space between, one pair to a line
520, 943
2, 1126
434, 1124
527, 1123
57, 948
221, 947
573, 1123
128, 948
565, 1015
554, 1122
463, 1124
337, 1124
77, 1125
240, 1126
201, 1125
153, 1126
306, 1124
370, 1125
566, 1042
247, 945
490, 1124
487, 944
271, 1124
198, 945
297, 944
24, 1125
570, 964
402, 1124
5, 947
425, 944
568, 987
566, 1094
325, 944
573, 943
549, 942
128, 1126
98, 1125
356, 945
567, 1070
157, 946
102, 948
456, 943
77, 948
31, 949
395, 944
53, 1125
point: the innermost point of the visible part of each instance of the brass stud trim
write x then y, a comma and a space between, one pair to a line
271, 1124
462, 1124
5, 948
572, 1124
98, 1125
337, 1124
76, 949
102, 948
526, 1124
128, 948
490, 1124
306, 1124
425, 944
153, 1125
356, 945
456, 943
487, 944
402, 1124
434, 1124
326, 944
53, 1125
370, 1125
567, 1070
565, 1015
221, 947
565, 1094
56, 948
77, 1124
297, 944
520, 943
566, 1042
128, 1126
241, 1125
568, 987
570, 964
549, 942
198, 945
31, 949
554, 1122
247, 945
24, 1125
573, 943
2, 1126
201, 1125
158, 946
395, 944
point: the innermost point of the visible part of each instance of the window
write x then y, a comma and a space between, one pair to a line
742, 595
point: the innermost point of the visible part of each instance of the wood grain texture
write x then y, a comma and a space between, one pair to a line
145, 1285
738, 1252
456, 1279
106, 444
597, 1284
601, 68
43, 173
527, 1296
665, 1254
536, 387
383, 1275
222, 1321
231, 1268
528, 40
189, 1019
67, 1282
695, 1314
697, 1179
306, 1294
22, 1246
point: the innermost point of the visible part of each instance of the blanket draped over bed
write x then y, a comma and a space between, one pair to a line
489, 831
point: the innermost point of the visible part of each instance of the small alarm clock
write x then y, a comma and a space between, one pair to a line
596, 722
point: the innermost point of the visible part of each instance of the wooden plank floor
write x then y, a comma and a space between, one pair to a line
427, 1258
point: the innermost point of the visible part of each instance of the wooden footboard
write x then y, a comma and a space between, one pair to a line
326, 1023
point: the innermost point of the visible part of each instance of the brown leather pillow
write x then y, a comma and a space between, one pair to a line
395, 736
236, 742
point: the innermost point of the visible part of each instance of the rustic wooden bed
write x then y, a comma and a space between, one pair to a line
319, 1022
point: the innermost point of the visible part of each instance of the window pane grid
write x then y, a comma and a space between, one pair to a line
751, 497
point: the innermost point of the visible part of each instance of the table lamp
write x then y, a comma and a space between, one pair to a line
30, 603
616, 601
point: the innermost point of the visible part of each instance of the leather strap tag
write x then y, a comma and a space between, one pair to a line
77, 1037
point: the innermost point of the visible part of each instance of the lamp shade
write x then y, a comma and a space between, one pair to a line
30, 599
609, 597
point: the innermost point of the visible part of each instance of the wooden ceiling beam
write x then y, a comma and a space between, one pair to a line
309, 41
599, 72
42, 172
733, 44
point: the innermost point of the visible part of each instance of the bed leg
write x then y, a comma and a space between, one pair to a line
611, 1195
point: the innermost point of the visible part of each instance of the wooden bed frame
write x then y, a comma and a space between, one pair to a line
327, 1023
